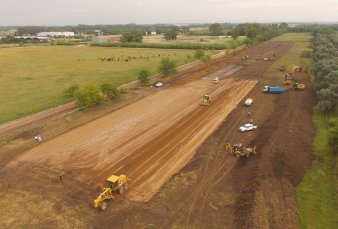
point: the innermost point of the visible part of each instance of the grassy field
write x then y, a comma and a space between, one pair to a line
187, 39
316, 194
33, 78
295, 37
301, 45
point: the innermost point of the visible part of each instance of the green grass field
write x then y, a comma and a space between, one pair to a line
295, 37
317, 194
293, 57
33, 78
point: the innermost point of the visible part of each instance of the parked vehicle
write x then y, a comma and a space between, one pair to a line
247, 127
273, 90
248, 102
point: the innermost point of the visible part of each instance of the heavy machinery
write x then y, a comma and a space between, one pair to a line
258, 57
298, 69
273, 90
298, 86
238, 150
206, 100
114, 184
282, 68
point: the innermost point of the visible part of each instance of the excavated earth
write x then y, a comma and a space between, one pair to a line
173, 150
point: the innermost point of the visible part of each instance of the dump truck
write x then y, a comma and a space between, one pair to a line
206, 101
273, 90
115, 183
238, 150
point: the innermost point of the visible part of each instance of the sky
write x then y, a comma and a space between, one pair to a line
73, 12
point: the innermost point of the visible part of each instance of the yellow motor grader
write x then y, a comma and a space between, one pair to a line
114, 184
238, 150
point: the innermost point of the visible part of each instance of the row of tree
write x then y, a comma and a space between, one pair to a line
325, 69
259, 32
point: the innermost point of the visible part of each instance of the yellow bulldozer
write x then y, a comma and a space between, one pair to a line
117, 184
238, 150
206, 100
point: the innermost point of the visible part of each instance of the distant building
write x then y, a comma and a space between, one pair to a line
56, 34
33, 38
106, 39
153, 33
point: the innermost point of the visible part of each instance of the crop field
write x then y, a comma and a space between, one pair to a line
187, 39
33, 78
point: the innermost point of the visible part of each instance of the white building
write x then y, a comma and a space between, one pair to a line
56, 34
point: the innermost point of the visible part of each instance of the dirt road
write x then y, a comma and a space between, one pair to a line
212, 190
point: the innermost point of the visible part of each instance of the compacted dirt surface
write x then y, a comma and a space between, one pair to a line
173, 150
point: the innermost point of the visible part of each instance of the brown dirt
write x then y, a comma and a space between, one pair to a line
153, 138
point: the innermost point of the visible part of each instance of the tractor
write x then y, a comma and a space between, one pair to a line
206, 100
114, 184
238, 150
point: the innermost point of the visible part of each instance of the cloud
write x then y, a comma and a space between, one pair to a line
80, 10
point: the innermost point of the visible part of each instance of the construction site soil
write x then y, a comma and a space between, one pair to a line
173, 150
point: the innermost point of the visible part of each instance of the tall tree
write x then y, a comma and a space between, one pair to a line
171, 34
216, 29
132, 35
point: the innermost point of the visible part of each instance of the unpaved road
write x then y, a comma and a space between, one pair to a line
213, 190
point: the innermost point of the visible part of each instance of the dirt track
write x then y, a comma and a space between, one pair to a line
213, 189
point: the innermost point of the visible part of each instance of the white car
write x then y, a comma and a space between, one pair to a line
248, 102
247, 127
159, 84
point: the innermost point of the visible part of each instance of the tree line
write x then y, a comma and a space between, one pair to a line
325, 57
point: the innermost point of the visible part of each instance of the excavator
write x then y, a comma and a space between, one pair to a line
117, 184
296, 85
206, 100
238, 150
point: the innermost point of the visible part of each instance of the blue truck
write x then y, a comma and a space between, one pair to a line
273, 90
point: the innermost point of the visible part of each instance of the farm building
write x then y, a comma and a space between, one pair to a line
106, 39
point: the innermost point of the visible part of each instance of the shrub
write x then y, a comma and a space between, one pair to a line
71, 90
143, 77
110, 91
199, 53
206, 58
88, 95
167, 66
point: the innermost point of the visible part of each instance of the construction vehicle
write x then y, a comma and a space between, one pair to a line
298, 69
288, 79
245, 57
215, 80
273, 90
114, 184
206, 100
298, 86
238, 150
258, 57
282, 68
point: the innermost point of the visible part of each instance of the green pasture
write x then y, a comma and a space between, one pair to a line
299, 54
33, 78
